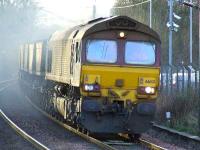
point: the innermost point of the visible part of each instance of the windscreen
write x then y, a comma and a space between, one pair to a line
139, 53
101, 51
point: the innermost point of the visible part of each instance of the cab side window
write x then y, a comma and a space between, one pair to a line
77, 52
72, 59
49, 61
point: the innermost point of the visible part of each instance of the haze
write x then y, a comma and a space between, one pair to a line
65, 12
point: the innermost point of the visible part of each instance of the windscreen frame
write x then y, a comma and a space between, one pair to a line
99, 62
140, 41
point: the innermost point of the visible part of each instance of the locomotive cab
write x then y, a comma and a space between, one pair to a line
119, 80
103, 76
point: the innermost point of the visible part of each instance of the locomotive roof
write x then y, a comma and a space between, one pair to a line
101, 24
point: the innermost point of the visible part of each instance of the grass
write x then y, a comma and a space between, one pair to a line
189, 124
184, 111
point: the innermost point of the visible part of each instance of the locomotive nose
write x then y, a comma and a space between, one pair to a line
140, 118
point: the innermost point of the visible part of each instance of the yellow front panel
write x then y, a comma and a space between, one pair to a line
129, 77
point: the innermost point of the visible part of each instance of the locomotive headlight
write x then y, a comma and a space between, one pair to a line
88, 87
91, 87
149, 90
146, 90
122, 34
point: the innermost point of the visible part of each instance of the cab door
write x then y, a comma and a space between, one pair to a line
75, 65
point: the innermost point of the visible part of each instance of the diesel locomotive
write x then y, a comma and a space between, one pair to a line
102, 76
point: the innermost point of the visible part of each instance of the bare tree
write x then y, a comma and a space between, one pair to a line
17, 20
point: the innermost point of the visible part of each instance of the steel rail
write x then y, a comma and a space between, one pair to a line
151, 145
148, 144
175, 132
6, 81
19, 131
73, 130
27, 137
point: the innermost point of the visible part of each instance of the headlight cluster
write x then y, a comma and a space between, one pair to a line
146, 90
91, 87
149, 90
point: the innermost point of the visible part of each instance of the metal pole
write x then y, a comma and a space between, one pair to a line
199, 67
150, 13
190, 33
199, 33
94, 10
170, 30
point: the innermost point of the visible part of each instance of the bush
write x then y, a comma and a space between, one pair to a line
183, 108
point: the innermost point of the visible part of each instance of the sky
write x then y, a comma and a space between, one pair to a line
70, 12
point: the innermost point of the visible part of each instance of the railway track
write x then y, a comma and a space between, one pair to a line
27, 137
38, 126
71, 129
181, 139
108, 144
176, 133
6, 83
9, 139
22, 141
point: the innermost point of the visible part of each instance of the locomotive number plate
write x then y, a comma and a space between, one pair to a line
143, 81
